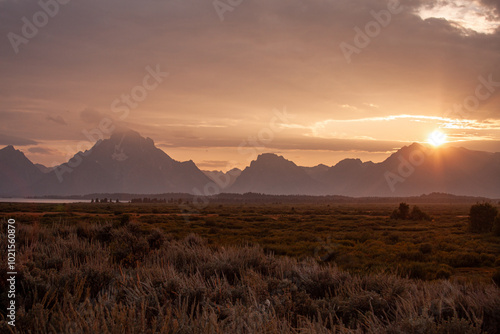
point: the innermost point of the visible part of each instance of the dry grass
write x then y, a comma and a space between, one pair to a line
121, 278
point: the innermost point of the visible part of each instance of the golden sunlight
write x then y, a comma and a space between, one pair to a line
437, 138
467, 14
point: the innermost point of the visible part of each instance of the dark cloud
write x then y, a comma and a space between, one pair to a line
239, 146
16, 141
57, 119
91, 116
42, 150
265, 54
495, 4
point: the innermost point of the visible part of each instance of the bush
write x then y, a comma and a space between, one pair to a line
443, 273
156, 239
481, 217
496, 226
462, 260
417, 214
128, 249
403, 212
125, 219
496, 277
426, 248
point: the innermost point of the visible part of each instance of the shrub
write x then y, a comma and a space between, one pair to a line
459, 260
487, 260
496, 277
84, 232
128, 249
156, 239
104, 234
403, 212
443, 273
417, 214
125, 219
426, 248
393, 238
481, 217
496, 226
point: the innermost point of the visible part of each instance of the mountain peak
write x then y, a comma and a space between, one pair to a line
10, 151
9, 148
269, 160
349, 163
17, 173
130, 138
273, 174
270, 156
413, 147
119, 134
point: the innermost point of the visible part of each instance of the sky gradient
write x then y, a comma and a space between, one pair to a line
258, 76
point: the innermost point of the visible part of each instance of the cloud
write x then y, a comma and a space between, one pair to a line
42, 150
57, 119
226, 77
212, 164
91, 116
467, 15
242, 148
16, 141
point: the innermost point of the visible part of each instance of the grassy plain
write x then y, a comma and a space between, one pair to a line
309, 268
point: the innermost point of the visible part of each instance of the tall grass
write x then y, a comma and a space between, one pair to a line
104, 278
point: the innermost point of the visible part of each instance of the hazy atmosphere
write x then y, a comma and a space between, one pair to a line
250, 166
315, 81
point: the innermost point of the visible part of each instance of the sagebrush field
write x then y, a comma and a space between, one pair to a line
266, 268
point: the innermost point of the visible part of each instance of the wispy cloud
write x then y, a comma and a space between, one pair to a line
57, 119
42, 150
16, 141
395, 124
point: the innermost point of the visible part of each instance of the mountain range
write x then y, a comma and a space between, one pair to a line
129, 163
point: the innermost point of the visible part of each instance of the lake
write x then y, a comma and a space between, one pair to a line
43, 200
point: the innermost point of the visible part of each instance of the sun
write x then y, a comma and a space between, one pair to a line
437, 138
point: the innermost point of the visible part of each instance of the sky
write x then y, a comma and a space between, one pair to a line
219, 82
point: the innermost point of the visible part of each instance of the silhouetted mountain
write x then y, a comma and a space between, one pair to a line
17, 173
43, 169
411, 171
417, 169
223, 180
124, 163
129, 163
414, 170
273, 174
316, 172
